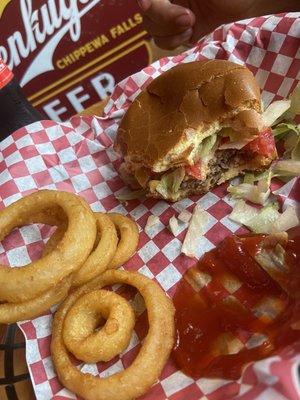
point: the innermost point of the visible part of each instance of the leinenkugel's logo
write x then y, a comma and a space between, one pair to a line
52, 21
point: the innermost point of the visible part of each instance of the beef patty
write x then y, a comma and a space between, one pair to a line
222, 162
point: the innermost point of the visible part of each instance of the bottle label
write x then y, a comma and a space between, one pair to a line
6, 74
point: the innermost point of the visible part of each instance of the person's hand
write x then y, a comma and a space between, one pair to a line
185, 21
170, 25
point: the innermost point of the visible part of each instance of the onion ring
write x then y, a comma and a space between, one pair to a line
147, 366
79, 333
104, 252
104, 249
54, 239
129, 239
37, 277
14, 312
108, 254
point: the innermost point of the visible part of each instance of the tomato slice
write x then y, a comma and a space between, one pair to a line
264, 144
194, 170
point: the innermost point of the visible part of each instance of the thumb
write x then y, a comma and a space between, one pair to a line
164, 12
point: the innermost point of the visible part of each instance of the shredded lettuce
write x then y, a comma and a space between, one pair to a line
138, 194
152, 220
206, 146
242, 212
291, 133
295, 151
274, 111
174, 226
152, 225
286, 168
184, 216
258, 193
295, 104
264, 220
191, 246
292, 143
283, 109
256, 187
283, 169
284, 128
287, 220
272, 260
251, 177
170, 183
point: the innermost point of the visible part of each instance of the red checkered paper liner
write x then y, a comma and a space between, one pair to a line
77, 156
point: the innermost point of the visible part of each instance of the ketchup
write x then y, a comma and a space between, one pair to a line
220, 306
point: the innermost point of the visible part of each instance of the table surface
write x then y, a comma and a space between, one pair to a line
14, 377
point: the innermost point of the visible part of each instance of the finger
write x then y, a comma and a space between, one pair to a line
144, 4
162, 30
165, 15
171, 42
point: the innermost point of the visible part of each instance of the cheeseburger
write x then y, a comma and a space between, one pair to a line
194, 127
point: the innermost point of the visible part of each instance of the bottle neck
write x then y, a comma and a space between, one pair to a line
6, 75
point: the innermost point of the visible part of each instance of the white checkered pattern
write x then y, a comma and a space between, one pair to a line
78, 157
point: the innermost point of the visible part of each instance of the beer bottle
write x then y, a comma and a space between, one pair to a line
15, 109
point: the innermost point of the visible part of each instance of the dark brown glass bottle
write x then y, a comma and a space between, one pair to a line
15, 109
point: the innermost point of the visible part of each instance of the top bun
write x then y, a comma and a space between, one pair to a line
183, 106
